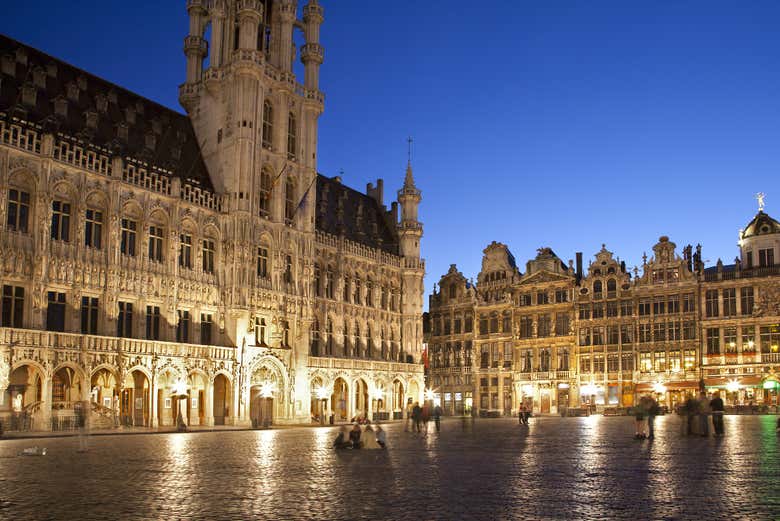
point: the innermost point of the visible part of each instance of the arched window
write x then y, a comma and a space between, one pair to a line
289, 200
611, 288
265, 193
268, 124
597, 289
292, 136
369, 292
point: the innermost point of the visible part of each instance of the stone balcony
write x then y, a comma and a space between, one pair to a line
34, 338
363, 365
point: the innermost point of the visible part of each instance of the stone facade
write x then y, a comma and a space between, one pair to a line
147, 256
558, 337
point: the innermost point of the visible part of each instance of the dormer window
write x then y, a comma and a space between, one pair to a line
39, 77
91, 118
101, 102
29, 94
150, 140
130, 115
8, 65
121, 131
73, 92
61, 106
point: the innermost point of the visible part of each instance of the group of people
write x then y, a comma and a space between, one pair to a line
417, 417
358, 438
523, 413
698, 411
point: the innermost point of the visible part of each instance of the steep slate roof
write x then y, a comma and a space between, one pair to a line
175, 145
344, 211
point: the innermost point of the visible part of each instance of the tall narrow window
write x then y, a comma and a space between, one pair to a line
268, 124
60, 221
289, 200
93, 229
55, 312
185, 251
329, 283
13, 306
206, 327
288, 274
124, 324
208, 256
183, 326
156, 234
260, 332
746, 298
292, 136
317, 280
18, 210
127, 246
329, 338
153, 322
729, 302
285, 333
315, 339
89, 315
766, 257
262, 262
711, 301
265, 194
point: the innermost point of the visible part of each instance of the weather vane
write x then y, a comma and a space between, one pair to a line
760, 196
409, 140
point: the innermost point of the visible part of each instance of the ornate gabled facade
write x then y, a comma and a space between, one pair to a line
147, 256
544, 327
603, 336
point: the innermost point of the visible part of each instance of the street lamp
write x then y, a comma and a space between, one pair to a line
266, 394
180, 392
322, 394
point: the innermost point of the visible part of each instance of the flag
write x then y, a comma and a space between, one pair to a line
302, 204
279, 175
425, 357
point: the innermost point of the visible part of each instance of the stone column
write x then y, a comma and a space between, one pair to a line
153, 389
44, 416
208, 395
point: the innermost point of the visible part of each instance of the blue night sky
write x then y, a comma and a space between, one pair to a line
565, 124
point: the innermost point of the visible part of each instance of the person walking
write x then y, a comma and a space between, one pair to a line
652, 411
689, 410
704, 410
409, 408
640, 410
437, 417
521, 414
716, 406
416, 416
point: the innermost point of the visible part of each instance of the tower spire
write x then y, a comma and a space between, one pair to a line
409, 179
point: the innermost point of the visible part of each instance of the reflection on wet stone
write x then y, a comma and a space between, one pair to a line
571, 468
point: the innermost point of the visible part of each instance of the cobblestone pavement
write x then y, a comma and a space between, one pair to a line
491, 469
